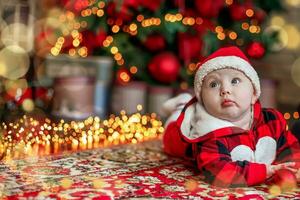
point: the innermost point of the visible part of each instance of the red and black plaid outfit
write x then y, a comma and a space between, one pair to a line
214, 151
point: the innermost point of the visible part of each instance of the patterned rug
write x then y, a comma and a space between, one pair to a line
140, 171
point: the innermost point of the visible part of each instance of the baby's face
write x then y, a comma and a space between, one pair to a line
227, 94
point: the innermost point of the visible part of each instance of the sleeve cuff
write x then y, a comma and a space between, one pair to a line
257, 174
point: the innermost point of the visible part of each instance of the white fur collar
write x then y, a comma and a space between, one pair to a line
197, 122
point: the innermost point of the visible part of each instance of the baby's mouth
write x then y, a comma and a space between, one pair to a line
227, 103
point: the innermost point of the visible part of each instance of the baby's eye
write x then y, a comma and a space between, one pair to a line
213, 84
235, 81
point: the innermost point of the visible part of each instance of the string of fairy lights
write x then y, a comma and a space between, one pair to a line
290, 116
72, 27
29, 136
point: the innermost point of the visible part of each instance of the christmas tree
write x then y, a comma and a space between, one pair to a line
160, 42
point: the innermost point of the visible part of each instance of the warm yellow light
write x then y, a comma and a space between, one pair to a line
94, 10
188, 21
114, 50
219, 29
70, 15
229, 2
125, 77
83, 24
106, 43
139, 107
295, 3
252, 29
221, 36
168, 17
28, 105
75, 34
100, 13
245, 26
232, 35
118, 56
83, 52
87, 134
296, 115
120, 62
115, 28
140, 18
101, 4
61, 40
178, 17
287, 116
277, 20
249, 12
72, 52
76, 43
133, 27
192, 67
54, 51
133, 69
77, 25
293, 36
109, 38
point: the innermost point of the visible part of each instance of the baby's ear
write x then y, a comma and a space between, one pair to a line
254, 98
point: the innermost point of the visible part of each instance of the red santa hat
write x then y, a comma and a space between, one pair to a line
227, 57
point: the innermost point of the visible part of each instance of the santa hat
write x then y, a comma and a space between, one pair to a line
227, 57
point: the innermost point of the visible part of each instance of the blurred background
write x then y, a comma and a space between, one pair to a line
71, 59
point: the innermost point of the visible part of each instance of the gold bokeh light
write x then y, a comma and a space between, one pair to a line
28, 136
14, 62
18, 34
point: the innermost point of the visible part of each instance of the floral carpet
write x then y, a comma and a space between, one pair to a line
140, 171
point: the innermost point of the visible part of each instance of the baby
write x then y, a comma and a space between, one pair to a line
223, 128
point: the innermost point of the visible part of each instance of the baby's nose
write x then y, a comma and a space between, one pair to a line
224, 92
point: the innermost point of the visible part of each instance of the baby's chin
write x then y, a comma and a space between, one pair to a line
232, 117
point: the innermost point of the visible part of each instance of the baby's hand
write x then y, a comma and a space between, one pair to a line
271, 169
296, 170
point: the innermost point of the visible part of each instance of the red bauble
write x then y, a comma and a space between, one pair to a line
152, 5
260, 15
132, 3
122, 13
256, 50
80, 5
238, 11
88, 40
164, 67
209, 8
285, 179
206, 25
68, 44
75, 6
189, 46
155, 42
100, 37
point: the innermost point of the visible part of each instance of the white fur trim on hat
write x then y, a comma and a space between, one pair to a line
222, 62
